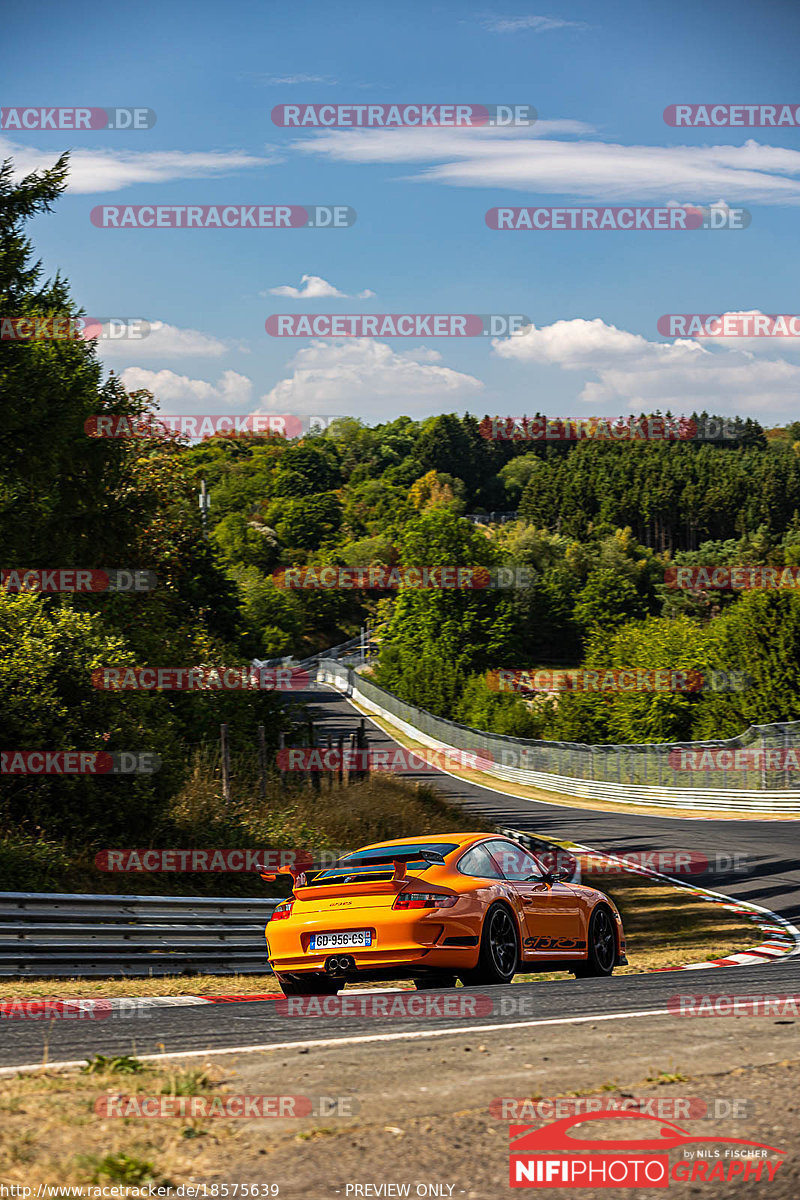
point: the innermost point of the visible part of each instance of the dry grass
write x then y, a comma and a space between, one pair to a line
49, 1132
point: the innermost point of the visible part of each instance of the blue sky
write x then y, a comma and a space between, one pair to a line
599, 76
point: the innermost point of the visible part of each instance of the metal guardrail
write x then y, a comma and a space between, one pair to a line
44, 935
634, 774
356, 650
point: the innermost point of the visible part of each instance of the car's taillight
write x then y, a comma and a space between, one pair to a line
424, 900
282, 910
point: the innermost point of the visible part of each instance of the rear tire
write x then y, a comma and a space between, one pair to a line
498, 958
434, 982
309, 985
602, 942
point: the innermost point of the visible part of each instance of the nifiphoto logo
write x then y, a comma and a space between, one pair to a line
557, 1155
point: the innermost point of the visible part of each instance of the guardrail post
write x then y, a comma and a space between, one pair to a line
262, 763
312, 738
226, 762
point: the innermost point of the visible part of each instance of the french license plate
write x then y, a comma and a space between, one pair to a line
351, 940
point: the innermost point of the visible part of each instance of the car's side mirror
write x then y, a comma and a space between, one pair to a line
555, 876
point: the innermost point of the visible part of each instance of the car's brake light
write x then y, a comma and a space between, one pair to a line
282, 911
424, 900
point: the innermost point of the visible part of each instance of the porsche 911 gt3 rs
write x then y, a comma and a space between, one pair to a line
471, 906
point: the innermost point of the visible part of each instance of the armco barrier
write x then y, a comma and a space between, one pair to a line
50, 935
636, 774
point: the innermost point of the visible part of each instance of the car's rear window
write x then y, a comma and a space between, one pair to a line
358, 864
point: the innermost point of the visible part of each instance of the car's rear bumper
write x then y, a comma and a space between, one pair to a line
438, 958
398, 939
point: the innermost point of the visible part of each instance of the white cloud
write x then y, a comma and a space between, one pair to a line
179, 392
109, 170
286, 80
537, 24
164, 341
313, 287
530, 159
632, 372
366, 378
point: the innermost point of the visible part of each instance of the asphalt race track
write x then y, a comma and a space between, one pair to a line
770, 850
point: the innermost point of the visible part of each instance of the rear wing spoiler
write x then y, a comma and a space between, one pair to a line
397, 859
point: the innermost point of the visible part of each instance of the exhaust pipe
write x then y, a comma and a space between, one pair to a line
339, 964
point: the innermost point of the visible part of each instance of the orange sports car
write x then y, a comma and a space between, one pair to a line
471, 906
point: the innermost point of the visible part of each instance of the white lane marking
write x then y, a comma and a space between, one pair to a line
359, 1039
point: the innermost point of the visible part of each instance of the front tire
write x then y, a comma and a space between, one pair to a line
602, 940
498, 957
308, 985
